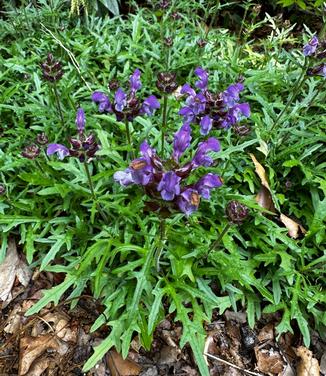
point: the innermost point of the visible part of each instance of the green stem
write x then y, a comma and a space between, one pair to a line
90, 183
218, 240
56, 94
91, 186
129, 138
159, 250
296, 89
164, 119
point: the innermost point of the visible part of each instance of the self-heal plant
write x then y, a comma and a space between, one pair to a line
83, 147
127, 106
167, 179
209, 109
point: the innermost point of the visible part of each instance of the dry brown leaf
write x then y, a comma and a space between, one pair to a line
264, 199
269, 361
11, 268
308, 366
169, 355
266, 333
121, 367
39, 366
294, 228
323, 364
260, 172
30, 348
14, 320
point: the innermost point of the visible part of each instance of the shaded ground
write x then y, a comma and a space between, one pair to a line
57, 341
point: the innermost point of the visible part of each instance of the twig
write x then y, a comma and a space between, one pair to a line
232, 365
71, 55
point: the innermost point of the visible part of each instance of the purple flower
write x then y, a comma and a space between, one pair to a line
188, 201
80, 120
196, 103
205, 125
235, 114
206, 183
232, 94
169, 186
120, 100
61, 150
187, 89
141, 172
201, 158
181, 141
310, 48
149, 105
135, 83
203, 78
188, 114
102, 100
123, 177
319, 70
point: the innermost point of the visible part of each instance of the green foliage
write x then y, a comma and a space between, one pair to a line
49, 209
303, 4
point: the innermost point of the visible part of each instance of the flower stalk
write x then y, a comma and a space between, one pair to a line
164, 122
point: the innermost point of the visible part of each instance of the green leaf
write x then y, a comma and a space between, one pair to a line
52, 295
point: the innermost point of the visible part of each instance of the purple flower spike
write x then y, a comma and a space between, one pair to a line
206, 183
319, 70
120, 100
310, 48
135, 83
231, 94
102, 100
169, 186
141, 172
189, 201
196, 103
205, 125
61, 150
149, 105
80, 120
123, 177
181, 141
201, 158
203, 78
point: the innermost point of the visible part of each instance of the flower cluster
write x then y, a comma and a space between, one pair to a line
51, 69
312, 48
209, 109
83, 147
126, 106
166, 179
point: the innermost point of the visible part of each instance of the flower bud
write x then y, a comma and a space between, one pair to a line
31, 151
236, 212
51, 69
166, 82
164, 4
168, 41
114, 85
42, 139
201, 43
256, 9
241, 130
2, 189
176, 16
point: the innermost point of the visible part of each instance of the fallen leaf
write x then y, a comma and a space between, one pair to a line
266, 333
294, 228
11, 268
121, 367
308, 366
169, 355
264, 199
269, 361
260, 172
30, 348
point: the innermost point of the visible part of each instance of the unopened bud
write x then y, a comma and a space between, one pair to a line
31, 151
236, 212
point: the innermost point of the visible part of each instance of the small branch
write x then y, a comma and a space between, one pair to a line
232, 365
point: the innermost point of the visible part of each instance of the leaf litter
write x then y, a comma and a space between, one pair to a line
57, 341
